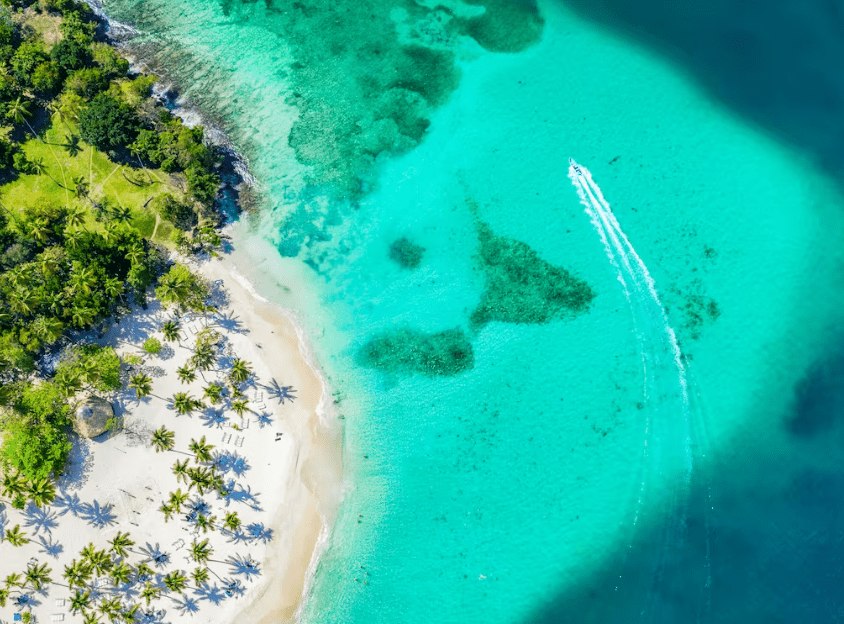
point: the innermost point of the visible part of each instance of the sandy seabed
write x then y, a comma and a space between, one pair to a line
282, 461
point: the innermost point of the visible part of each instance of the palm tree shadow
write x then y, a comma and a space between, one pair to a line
257, 531
212, 418
39, 519
244, 566
245, 496
155, 555
186, 606
280, 393
226, 461
49, 547
212, 593
68, 503
98, 516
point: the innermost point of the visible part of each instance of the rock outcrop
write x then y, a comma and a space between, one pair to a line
92, 417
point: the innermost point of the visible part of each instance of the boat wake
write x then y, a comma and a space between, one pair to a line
667, 460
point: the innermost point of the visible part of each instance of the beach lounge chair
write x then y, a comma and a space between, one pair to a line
57, 617
60, 602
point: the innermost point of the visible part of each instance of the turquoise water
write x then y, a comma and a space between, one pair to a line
521, 444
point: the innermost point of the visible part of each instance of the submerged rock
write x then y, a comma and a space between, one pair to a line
92, 417
521, 287
409, 351
406, 253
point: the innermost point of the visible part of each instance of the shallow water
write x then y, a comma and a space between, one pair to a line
520, 446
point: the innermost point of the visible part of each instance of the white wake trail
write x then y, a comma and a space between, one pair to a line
667, 427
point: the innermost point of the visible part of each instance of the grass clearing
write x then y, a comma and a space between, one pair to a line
106, 181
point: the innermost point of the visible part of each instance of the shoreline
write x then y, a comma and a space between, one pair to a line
319, 473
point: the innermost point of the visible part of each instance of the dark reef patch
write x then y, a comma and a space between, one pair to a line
506, 25
406, 253
521, 287
409, 351
366, 74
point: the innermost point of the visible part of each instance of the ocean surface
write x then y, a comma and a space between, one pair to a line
604, 396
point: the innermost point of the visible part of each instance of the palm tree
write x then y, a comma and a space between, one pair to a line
42, 491
88, 553
121, 543
130, 613
175, 582
163, 440
13, 484
121, 214
203, 358
201, 450
205, 522
110, 608
213, 392
76, 216
73, 238
91, 618
240, 371
18, 111
144, 571
80, 189
180, 470
200, 551
38, 575
113, 288
184, 403
200, 576
120, 573
77, 574
177, 499
4, 596
142, 384
80, 601
101, 562
13, 580
232, 522
38, 230
150, 592
168, 511
16, 537
171, 331
186, 374
135, 255
240, 406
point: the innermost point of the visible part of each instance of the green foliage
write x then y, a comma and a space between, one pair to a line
71, 54
201, 184
35, 444
7, 154
46, 78
95, 366
181, 214
182, 288
107, 123
77, 26
25, 59
152, 346
141, 86
114, 65
87, 82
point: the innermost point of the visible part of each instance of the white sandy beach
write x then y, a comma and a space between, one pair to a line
285, 488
